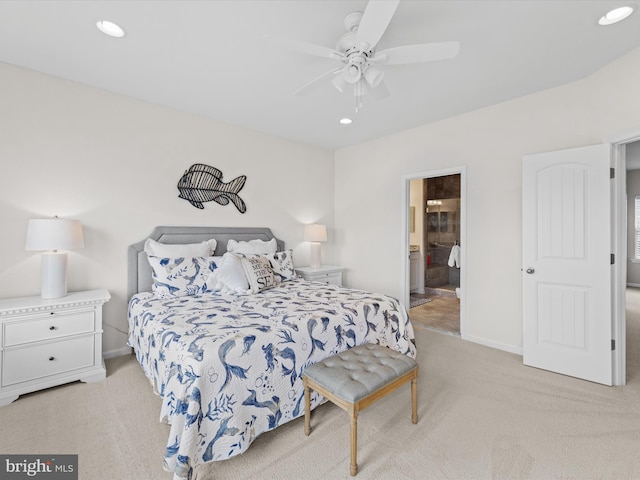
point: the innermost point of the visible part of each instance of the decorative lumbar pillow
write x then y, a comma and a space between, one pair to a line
170, 250
259, 273
183, 276
282, 265
229, 276
252, 247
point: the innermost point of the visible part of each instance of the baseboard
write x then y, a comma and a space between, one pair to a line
636, 285
116, 352
492, 344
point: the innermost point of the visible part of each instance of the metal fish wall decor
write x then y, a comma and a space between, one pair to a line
203, 183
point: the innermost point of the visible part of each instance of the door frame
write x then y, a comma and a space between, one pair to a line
404, 244
619, 243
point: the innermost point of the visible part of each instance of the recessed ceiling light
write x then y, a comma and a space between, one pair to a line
616, 15
110, 28
345, 121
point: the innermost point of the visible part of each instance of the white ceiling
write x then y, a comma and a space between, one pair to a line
210, 58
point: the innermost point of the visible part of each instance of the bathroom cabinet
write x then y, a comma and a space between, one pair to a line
415, 271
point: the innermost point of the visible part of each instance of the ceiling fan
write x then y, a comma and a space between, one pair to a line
357, 54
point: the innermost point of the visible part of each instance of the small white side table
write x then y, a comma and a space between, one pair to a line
48, 342
331, 274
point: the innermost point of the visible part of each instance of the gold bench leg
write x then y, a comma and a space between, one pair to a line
354, 439
307, 407
414, 400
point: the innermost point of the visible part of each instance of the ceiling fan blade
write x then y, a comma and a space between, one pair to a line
303, 47
316, 82
374, 22
380, 92
424, 52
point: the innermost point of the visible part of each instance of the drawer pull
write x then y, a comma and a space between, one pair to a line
51, 313
51, 359
52, 327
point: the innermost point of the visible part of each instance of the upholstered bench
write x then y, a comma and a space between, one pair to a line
356, 378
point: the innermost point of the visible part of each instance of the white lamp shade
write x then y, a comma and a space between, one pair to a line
315, 233
54, 234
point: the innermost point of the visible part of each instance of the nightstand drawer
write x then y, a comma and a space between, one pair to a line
48, 326
29, 363
331, 278
330, 274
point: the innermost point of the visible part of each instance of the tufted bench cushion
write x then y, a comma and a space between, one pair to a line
360, 371
356, 378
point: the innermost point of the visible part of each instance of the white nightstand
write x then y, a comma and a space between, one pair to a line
44, 343
326, 274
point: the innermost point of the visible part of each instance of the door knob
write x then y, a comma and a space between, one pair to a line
530, 271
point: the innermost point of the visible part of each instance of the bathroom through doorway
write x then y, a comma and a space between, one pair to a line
435, 251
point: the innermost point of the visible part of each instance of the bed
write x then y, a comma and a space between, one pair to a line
228, 365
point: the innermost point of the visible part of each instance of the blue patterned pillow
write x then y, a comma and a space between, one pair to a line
282, 265
179, 277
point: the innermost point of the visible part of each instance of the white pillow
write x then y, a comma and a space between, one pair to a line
229, 276
259, 273
252, 247
170, 250
282, 265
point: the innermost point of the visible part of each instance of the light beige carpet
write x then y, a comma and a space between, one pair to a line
482, 416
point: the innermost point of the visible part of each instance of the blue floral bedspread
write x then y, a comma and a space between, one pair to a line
229, 367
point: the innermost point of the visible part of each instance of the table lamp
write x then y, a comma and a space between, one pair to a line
315, 234
52, 235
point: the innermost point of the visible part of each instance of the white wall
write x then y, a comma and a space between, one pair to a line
491, 143
113, 163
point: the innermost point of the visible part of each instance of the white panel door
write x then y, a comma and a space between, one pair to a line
567, 267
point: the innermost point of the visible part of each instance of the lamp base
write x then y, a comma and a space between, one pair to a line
315, 255
54, 275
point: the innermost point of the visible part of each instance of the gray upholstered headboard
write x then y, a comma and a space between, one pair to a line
139, 279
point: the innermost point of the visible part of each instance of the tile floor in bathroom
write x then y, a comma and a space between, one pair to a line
442, 313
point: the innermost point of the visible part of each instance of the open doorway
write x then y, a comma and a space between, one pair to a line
435, 208
632, 167
606, 327
625, 160
632, 290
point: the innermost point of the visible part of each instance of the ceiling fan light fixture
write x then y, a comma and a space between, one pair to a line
616, 15
373, 76
351, 73
339, 82
110, 28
